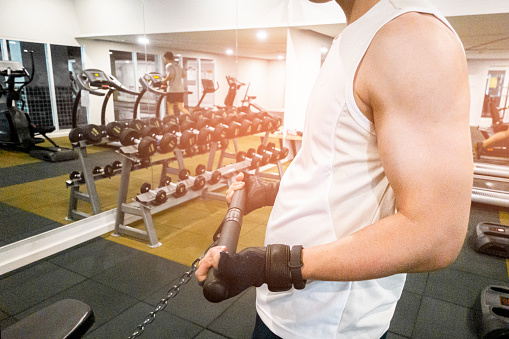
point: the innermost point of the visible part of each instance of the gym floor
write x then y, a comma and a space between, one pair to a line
123, 279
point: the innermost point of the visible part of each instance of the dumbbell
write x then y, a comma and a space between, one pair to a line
180, 188
107, 171
75, 175
90, 133
214, 176
204, 135
275, 153
198, 182
160, 195
257, 125
165, 142
113, 130
136, 124
218, 131
147, 146
185, 138
229, 123
240, 127
257, 160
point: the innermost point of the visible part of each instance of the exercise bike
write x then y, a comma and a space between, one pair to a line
16, 127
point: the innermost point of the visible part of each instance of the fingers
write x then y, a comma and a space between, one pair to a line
211, 259
237, 185
240, 176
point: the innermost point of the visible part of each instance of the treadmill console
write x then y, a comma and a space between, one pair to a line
96, 77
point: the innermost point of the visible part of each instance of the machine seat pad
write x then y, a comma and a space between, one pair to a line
68, 318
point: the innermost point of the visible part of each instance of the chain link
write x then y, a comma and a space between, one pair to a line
172, 293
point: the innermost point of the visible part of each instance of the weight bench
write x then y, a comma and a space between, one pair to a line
65, 319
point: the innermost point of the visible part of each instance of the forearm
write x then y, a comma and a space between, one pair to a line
392, 245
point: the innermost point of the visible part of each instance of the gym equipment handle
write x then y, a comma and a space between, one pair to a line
214, 288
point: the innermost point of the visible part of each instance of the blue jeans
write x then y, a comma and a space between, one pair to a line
261, 331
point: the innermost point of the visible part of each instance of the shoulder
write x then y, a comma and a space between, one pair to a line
410, 55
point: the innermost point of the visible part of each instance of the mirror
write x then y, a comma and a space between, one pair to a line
254, 56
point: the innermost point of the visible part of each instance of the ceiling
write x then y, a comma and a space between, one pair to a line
480, 34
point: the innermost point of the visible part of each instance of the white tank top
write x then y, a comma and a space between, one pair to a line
335, 186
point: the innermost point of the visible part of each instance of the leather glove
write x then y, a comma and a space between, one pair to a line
274, 265
259, 192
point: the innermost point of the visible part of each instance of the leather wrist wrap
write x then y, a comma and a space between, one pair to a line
277, 269
295, 267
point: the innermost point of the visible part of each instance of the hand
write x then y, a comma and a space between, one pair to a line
237, 185
210, 259
252, 266
259, 192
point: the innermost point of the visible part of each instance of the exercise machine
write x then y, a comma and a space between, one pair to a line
16, 127
68, 318
96, 82
492, 313
499, 148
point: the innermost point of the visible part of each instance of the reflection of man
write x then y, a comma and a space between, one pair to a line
174, 79
387, 128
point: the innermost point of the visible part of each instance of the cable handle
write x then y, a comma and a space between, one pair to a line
214, 288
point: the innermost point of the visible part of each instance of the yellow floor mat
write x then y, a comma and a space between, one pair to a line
16, 157
185, 231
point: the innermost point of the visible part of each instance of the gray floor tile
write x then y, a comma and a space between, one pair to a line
391, 335
141, 275
190, 303
406, 313
106, 302
237, 321
457, 287
206, 334
416, 282
22, 294
164, 326
438, 320
93, 257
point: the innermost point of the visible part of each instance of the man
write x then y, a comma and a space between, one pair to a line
387, 129
174, 77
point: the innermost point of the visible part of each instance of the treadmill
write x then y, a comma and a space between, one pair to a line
491, 183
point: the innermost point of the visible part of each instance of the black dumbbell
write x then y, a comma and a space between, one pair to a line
218, 130
204, 135
257, 160
106, 172
185, 138
165, 142
90, 133
214, 177
136, 124
160, 195
274, 153
198, 182
75, 175
147, 146
180, 188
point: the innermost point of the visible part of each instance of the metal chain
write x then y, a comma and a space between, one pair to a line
172, 293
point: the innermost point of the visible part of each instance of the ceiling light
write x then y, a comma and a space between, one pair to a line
229, 52
324, 50
262, 35
143, 40
280, 57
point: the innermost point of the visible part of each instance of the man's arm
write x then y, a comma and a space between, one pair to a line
413, 84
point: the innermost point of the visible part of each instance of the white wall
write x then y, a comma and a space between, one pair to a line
49, 21
302, 66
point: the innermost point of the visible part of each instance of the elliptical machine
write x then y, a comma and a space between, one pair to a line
16, 127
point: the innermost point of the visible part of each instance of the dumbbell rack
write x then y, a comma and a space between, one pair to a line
141, 206
76, 195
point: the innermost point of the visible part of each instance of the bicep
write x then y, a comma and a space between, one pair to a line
421, 112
